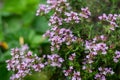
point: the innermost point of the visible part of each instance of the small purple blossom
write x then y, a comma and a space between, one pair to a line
55, 60
43, 9
75, 75
68, 72
116, 57
72, 16
85, 12
55, 20
72, 57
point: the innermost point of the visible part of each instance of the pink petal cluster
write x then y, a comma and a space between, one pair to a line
111, 18
58, 36
23, 62
116, 57
85, 12
72, 17
100, 38
55, 20
75, 75
57, 5
72, 57
69, 17
76, 17
103, 72
43, 9
55, 60
62, 12
95, 47
68, 72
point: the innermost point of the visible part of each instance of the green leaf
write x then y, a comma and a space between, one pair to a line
19, 6
41, 24
1, 32
1, 36
4, 74
14, 6
5, 56
27, 18
31, 35
38, 39
12, 25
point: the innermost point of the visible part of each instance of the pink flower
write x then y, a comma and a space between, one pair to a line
55, 60
116, 57
71, 57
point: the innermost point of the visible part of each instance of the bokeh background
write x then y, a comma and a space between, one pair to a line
20, 25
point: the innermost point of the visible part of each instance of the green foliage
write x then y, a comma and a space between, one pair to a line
4, 74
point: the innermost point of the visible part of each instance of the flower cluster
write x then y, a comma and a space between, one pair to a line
23, 62
55, 20
103, 72
116, 57
68, 72
85, 12
43, 8
59, 36
74, 75
72, 57
100, 38
111, 18
57, 5
76, 17
94, 49
55, 60
72, 17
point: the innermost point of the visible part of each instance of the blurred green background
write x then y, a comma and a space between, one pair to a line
19, 24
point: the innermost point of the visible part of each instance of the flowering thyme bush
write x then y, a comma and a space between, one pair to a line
80, 50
